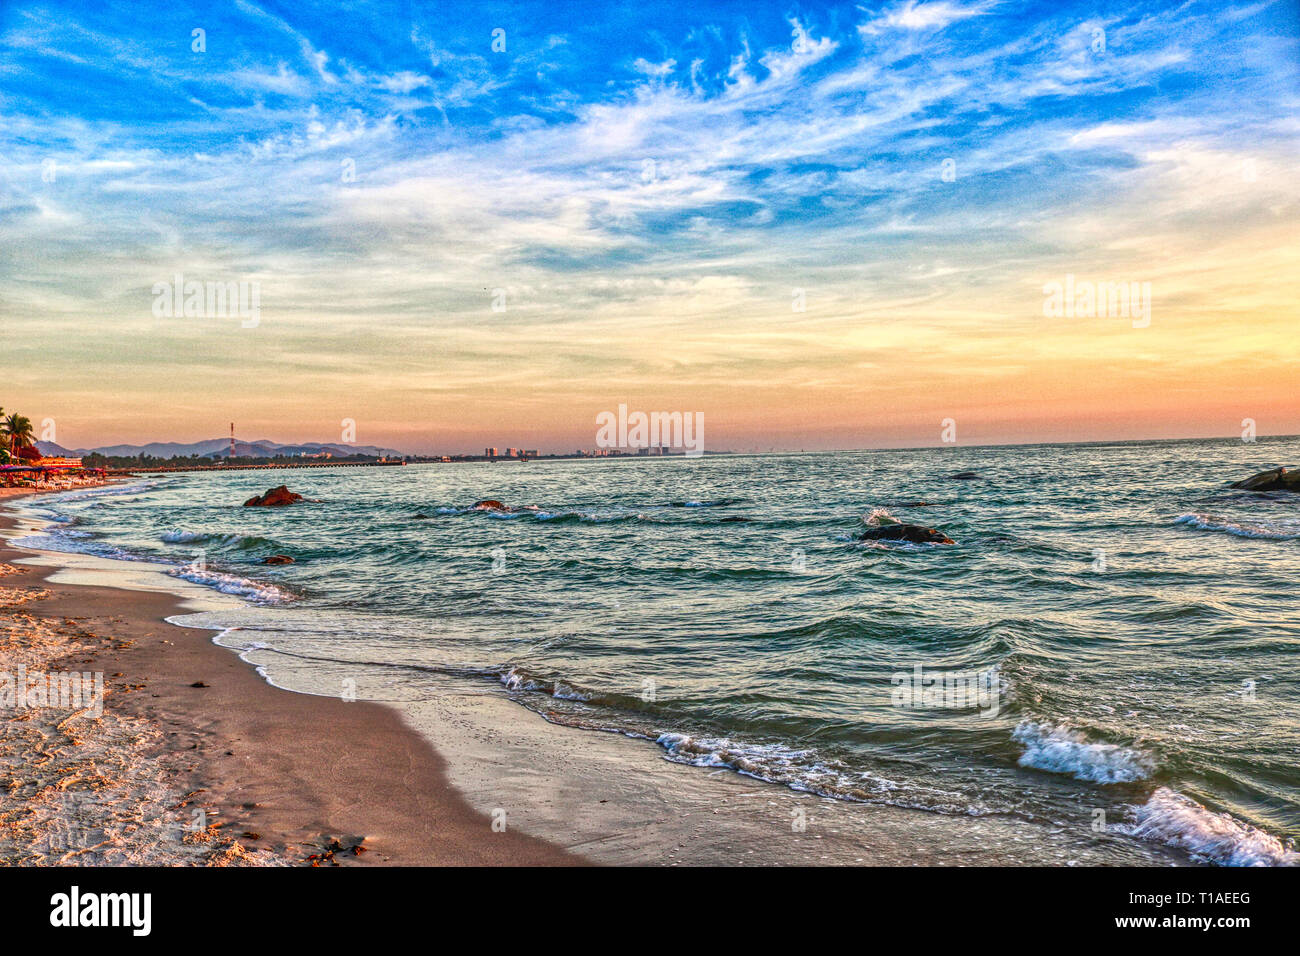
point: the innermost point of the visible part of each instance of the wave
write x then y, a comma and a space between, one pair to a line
716, 503
259, 592
803, 771
103, 491
1061, 750
515, 680
240, 542
184, 537
554, 515
1210, 522
69, 541
1176, 820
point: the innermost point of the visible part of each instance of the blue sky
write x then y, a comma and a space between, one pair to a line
647, 184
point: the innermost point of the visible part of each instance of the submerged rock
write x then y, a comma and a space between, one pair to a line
963, 476
1276, 479
905, 532
490, 504
278, 559
274, 498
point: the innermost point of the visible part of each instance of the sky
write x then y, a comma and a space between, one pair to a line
818, 226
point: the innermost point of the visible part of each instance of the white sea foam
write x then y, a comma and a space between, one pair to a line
257, 591
878, 517
806, 772
1210, 837
1209, 522
1061, 750
560, 691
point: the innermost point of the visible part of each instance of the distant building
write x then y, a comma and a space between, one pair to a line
490, 452
531, 453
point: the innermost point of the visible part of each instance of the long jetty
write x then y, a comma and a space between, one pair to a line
266, 467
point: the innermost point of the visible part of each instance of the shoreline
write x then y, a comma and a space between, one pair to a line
295, 770
423, 780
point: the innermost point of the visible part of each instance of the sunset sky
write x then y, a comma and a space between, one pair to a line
648, 185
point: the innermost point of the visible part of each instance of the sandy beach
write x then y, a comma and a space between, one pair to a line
197, 760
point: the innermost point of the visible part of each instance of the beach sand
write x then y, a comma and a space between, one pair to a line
276, 775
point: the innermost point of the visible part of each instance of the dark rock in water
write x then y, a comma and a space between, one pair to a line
278, 559
734, 518
905, 532
963, 476
274, 498
919, 504
1276, 479
490, 504
422, 518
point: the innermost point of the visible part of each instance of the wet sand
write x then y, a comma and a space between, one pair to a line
282, 773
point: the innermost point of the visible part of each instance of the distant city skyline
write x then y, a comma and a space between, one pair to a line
830, 227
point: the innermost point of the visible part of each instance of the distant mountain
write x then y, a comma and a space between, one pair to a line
219, 448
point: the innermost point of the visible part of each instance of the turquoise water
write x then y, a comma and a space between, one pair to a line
1136, 622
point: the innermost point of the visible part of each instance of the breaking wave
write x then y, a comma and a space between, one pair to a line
1061, 750
1210, 837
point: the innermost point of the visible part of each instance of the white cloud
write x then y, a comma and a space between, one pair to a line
914, 15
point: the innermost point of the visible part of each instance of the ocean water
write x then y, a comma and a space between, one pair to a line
1131, 624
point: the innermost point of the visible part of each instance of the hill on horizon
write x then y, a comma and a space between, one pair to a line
219, 448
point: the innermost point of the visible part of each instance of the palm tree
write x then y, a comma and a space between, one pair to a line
18, 432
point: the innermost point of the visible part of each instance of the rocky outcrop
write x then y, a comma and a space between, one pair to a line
905, 532
274, 498
490, 504
278, 559
1277, 479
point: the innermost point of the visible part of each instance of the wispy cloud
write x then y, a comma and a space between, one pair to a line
917, 169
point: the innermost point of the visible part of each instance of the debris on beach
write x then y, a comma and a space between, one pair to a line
334, 847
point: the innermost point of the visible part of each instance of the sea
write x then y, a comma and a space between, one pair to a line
1110, 645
